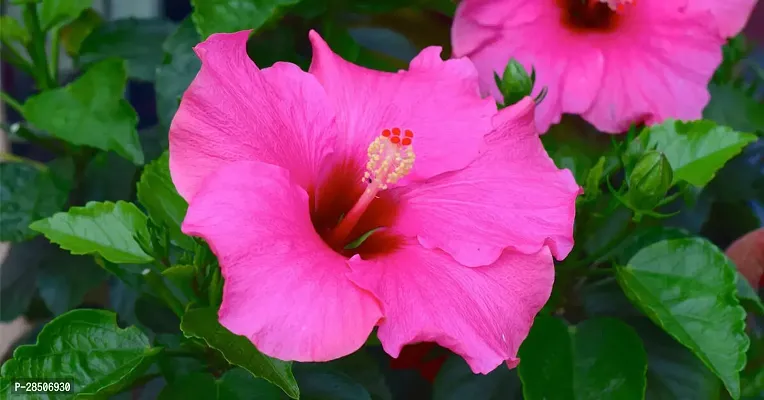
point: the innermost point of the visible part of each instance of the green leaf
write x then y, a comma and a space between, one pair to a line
86, 348
18, 276
90, 111
179, 68
203, 323
236, 384
75, 32
732, 107
598, 359
320, 383
27, 193
157, 194
109, 177
575, 145
138, 41
11, 31
687, 287
55, 12
213, 16
183, 277
363, 369
747, 294
108, 229
456, 381
673, 372
594, 179
65, 279
697, 149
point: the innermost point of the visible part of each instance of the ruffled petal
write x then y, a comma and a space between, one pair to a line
658, 69
513, 196
233, 111
731, 15
284, 288
483, 314
438, 100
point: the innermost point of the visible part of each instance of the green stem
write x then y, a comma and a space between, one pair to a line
55, 51
6, 97
36, 47
8, 157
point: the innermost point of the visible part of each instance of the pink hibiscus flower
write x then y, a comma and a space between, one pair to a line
285, 169
614, 62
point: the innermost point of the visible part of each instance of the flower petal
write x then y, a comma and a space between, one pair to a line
233, 111
512, 196
731, 15
448, 124
660, 69
284, 288
482, 314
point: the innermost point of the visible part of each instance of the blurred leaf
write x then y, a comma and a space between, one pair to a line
732, 107
697, 149
318, 382
604, 298
75, 32
155, 315
742, 178
364, 369
157, 194
65, 279
179, 68
594, 180
55, 12
236, 384
108, 177
108, 229
18, 276
203, 323
27, 193
747, 295
213, 16
597, 359
86, 348
138, 41
11, 31
268, 46
575, 145
90, 111
687, 287
456, 381
673, 372
183, 277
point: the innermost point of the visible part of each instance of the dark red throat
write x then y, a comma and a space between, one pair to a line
588, 16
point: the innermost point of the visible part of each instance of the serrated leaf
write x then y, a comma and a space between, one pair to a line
687, 287
90, 111
11, 31
64, 279
86, 348
108, 229
696, 150
598, 359
158, 195
203, 323
179, 68
732, 107
213, 16
55, 12
18, 276
27, 193
236, 384
456, 381
137, 41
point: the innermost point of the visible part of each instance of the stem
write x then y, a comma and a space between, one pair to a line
55, 51
6, 97
8, 157
36, 47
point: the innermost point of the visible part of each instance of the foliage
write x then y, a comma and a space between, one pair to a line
646, 305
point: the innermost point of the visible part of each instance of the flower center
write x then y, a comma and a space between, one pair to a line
390, 158
593, 15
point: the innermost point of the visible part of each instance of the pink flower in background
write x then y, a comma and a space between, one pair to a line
284, 170
614, 62
730, 15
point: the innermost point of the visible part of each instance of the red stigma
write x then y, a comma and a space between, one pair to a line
395, 139
406, 141
396, 131
386, 133
409, 134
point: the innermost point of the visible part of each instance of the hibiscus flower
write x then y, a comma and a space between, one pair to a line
286, 170
614, 62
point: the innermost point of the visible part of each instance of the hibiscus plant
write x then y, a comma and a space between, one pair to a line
384, 199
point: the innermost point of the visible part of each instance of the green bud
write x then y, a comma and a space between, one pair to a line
515, 83
649, 181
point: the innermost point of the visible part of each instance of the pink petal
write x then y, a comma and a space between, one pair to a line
490, 32
233, 111
438, 100
731, 15
284, 288
513, 196
482, 314
658, 69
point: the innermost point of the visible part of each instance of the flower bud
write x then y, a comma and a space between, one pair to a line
649, 181
515, 83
